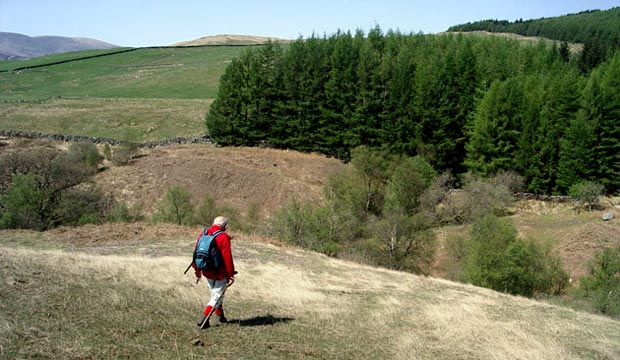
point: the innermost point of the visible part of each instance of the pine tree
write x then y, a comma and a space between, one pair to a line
592, 55
576, 157
371, 91
494, 131
564, 52
229, 116
339, 97
602, 107
445, 85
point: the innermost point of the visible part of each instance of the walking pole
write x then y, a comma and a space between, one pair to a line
216, 301
188, 266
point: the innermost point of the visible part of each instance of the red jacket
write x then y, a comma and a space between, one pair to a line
222, 241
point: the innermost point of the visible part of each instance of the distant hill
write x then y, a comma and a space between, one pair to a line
573, 28
19, 47
230, 40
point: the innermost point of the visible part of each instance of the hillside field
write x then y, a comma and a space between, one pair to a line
267, 179
118, 291
144, 95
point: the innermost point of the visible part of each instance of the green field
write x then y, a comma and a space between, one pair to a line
152, 93
11, 65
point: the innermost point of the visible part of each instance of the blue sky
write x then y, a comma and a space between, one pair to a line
159, 22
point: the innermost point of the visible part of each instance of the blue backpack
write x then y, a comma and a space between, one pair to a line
206, 254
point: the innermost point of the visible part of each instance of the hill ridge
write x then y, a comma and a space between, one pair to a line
230, 39
15, 46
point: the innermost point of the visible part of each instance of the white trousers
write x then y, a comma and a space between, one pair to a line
217, 289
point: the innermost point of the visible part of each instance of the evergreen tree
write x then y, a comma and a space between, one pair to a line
531, 138
289, 122
339, 97
564, 51
494, 131
266, 84
592, 55
602, 108
229, 116
576, 157
400, 130
371, 91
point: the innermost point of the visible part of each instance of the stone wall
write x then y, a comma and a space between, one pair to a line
97, 140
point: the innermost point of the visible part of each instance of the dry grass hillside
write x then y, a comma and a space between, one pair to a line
271, 178
234, 176
573, 47
242, 177
230, 40
119, 292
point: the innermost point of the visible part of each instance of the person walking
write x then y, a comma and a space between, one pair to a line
219, 279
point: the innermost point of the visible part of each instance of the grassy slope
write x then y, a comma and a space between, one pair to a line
10, 65
171, 73
114, 298
117, 118
151, 93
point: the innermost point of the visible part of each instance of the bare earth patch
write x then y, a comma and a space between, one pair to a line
235, 176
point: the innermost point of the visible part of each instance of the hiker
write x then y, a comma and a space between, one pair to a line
217, 279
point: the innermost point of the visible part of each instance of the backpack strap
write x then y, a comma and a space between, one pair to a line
204, 232
215, 234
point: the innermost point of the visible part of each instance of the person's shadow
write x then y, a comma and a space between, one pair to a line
261, 320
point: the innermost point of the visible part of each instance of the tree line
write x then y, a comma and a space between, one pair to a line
466, 103
598, 30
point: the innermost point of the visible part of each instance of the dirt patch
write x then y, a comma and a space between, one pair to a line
577, 247
235, 176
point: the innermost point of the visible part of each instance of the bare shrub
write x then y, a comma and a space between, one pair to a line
510, 179
477, 198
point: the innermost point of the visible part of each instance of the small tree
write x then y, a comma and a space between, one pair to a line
26, 204
406, 243
496, 259
85, 152
291, 223
602, 284
586, 193
374, 169
206, 211
176, 207
107, 152
477, 198
122, 213
79, 206
128, 149
252, 219
406, 185
487, 246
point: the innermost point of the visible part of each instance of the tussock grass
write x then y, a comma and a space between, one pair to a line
64, 299
122, 118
